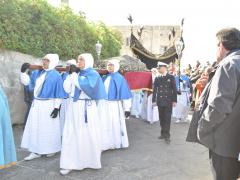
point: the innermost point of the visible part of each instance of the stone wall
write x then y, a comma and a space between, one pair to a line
10, 64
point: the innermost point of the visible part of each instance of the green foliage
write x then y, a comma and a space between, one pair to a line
110, 39
35, 27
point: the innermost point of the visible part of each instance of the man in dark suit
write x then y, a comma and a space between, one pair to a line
219, 124
165, 97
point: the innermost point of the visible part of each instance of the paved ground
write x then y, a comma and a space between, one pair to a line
146, 158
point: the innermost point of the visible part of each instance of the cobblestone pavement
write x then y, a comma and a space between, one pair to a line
146, 158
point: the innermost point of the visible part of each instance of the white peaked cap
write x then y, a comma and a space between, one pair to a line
88, 58
54, 59
162, 64
72, 62
116, 64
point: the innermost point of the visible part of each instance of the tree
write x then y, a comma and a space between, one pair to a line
37, 28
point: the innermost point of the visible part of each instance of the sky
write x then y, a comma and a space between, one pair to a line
203, 18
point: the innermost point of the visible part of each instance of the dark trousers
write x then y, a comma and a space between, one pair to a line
224, 168
29, 104
165, 114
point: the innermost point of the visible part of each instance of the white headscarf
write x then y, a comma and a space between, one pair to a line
53, 60
72, 62
88, 58
115, 63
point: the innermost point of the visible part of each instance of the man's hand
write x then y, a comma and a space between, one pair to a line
73, 69
54, 113
174, 104
24, 67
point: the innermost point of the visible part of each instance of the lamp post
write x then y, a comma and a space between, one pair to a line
98, 49
179, 48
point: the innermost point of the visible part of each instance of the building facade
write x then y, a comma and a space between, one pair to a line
154, 38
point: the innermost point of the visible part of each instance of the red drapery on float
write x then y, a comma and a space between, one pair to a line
139, 80
136, 80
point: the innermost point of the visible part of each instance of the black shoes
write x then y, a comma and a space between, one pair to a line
161, 137
167, 140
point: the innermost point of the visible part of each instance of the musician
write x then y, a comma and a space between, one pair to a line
165, 97
81, 143
42, 135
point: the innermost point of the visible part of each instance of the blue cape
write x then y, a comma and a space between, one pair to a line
7, 146
64, 76
185, 79
52, 86
118, 88
91, 83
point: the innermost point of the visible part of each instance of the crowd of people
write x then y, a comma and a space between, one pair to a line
189, 86
81, 114
212, 91
77, 112
198, 77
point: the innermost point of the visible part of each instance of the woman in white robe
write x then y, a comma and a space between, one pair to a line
180, 111
152, 111
81, 145
116, 107
66, 101
42, 134
144, 109
137, 102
